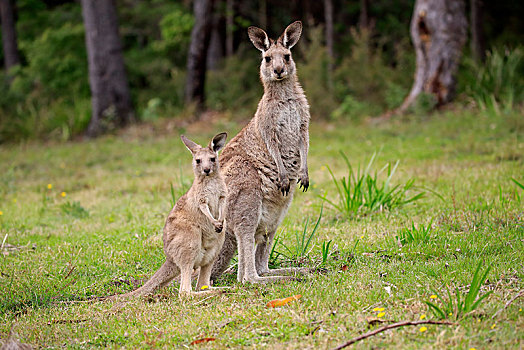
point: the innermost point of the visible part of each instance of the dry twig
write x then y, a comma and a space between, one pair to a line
519, 294
390, 326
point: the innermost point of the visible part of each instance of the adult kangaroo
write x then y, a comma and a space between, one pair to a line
264, 162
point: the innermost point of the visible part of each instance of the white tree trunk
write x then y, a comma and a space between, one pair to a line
438, 31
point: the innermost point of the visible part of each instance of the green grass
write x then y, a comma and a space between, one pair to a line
415, 234
55, 257
362, 193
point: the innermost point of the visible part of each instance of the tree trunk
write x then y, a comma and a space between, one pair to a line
230, 15
363, 20
328, 17
478, 43
262, 14
9, 43
438, 31
197, 55
215, 51
110, 96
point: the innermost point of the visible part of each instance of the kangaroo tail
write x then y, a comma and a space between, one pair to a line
160, 279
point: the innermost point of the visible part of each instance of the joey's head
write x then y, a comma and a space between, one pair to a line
205, 159
277, 62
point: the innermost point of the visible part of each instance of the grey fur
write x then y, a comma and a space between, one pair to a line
263, 163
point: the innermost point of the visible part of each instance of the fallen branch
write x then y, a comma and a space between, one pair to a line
519, 294
66, 321
390, 326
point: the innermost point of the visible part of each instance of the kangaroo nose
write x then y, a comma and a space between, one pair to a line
279, 71
207, 171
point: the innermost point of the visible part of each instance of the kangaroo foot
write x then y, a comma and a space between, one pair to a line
267, 279
286, 271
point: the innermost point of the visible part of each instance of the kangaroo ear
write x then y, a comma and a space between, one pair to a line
292, 34
218, 142
191, 146
259, 38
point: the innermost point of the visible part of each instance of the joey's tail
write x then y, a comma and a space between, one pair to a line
160, 279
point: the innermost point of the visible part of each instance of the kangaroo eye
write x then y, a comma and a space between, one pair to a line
198, 161
286, 57
268, 59
213, 159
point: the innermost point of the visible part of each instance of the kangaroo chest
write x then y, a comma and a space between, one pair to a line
287, 131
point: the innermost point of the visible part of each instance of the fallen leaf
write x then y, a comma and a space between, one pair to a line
281, 302
202, 340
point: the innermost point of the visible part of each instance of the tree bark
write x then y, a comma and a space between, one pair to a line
9, 43
197, 55
110, 96
262, 14
328, 17
438, 31
363, 20
215, 51
478, 43
230, 15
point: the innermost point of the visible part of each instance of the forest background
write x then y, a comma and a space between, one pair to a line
355, 60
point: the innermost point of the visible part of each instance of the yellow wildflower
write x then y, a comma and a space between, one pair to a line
423, 329
63, 194
1, 213
378, 309
422, 317
450, 314
49, 186
494, 325
520, 309
204, 287
361, 237
433, 296
382, 314
472, 349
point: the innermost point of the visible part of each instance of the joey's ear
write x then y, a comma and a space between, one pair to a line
189, 144
218, 142
292, 34
259, 38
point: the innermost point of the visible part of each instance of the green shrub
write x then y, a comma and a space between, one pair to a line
463, 304
57, 62
362, 192
314, 74
414, 234
498, 84
236, 84
364, 76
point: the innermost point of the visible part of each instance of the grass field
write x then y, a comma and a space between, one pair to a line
84, 219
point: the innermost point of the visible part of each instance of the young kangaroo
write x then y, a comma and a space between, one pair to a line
193, 233
263, 163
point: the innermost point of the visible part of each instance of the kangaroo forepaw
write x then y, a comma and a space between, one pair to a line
283, 184
304, 181
219, 226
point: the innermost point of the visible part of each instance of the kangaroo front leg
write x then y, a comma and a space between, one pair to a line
272, 146
218, 224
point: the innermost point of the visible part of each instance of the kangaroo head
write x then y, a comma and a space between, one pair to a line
205, 159
277, 63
